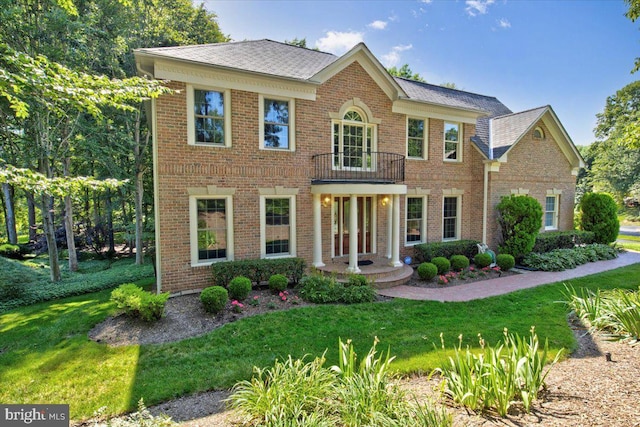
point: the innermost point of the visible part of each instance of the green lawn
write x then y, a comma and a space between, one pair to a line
47, 358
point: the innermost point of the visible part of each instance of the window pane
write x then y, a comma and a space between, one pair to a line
416, 128
276, 111
414, 219
212, 229
209, 103
450, 218
450, 207
276, 124
277, 227
276, 136
451, 132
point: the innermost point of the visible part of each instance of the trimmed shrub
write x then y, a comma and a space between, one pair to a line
505, 261
426, 251
520, 219
214, 299
442, 263
482, 260
258, 270
139, 303
459, 262
239, 288
278, 282
599, 214
546, 242
427, 271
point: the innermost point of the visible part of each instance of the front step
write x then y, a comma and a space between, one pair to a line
379, 272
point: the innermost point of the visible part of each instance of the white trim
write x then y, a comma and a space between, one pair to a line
412, 107
156, 194
359, 189
458, 216
292, 225
291, 125
556, 206
459, 143
191, 137
423, 227
193, 229
425, 138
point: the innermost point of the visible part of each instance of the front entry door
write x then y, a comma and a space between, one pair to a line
341, 212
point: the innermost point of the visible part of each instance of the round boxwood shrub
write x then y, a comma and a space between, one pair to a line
459, 262
214, 298
599, 214
505, 261
239, 288
442, 263
278, 282
427, 271
482, 260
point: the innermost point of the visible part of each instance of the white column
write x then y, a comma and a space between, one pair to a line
353, 235
395, 239
389, 226
317, 232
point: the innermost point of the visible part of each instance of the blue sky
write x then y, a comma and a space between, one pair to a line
570, 54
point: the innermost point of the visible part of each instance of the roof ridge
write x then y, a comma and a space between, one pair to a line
445, 88
521, 112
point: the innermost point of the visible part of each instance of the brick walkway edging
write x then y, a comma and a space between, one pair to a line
504, 285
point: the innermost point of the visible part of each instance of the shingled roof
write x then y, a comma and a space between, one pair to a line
497, 130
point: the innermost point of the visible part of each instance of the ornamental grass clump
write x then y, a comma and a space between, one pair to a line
353, 393
496, 376
614, 312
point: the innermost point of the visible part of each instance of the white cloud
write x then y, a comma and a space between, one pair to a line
392, 58
504, 23
378, 25
337, 42
475, 7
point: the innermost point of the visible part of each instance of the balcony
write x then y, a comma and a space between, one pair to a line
348, 167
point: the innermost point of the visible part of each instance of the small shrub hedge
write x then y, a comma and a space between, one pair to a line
442, 263
320, 289
599, 214
482, 260
427, 271
551, 240
258, 270
424, 252
239, 288
278, 282
214, 299
563, 259
505, 261
136, 302
459, 262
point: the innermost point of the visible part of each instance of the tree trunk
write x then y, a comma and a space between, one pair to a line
33, 227
10, 213
68, 224
138, 152
50, 234
109, 209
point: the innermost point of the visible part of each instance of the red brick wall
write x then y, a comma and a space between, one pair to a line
537, 166
247, 168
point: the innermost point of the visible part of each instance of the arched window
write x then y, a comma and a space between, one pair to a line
538, 133
354, 141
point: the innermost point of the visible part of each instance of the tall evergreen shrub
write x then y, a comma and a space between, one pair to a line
520, 220
599, 214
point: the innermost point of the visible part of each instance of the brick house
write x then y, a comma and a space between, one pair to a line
271, 150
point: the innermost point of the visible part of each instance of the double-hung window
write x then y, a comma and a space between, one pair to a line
551, 213
416, 138
278, 226
416, 220
211, 229
452, 142
451, 218
277, 129
208, 117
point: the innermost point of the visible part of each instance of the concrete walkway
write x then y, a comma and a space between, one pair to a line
504, 285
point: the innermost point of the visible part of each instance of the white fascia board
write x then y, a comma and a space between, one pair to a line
562, 139
358, 189
197, 74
